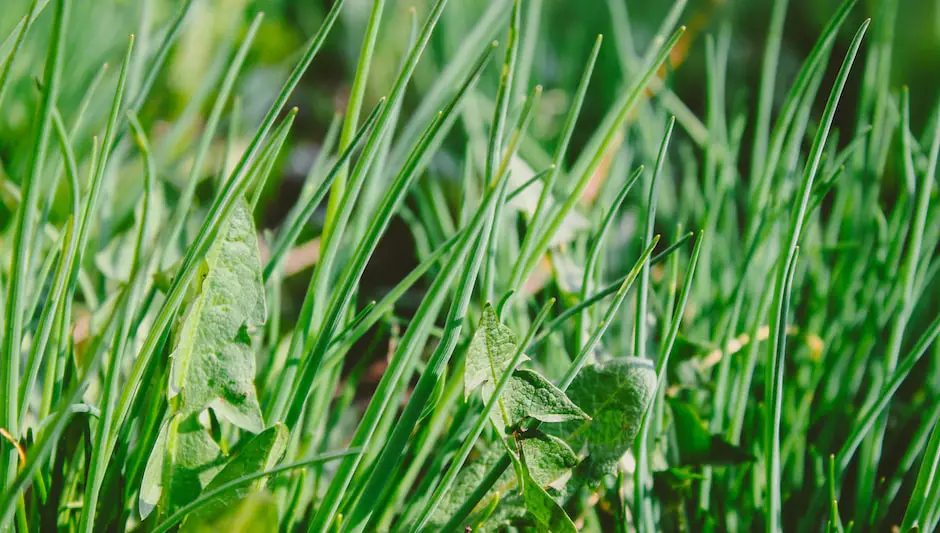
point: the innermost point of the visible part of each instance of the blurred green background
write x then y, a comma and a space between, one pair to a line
566, 32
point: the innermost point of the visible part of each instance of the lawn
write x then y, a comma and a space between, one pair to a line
504, 265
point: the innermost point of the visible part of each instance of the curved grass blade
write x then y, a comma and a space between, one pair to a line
314, 356
291, 232
314, 353
241, 481
768, 76
458, 68
22, 246
590, 265
494, 473
640, 322
918, 510
265, 162
623, 109
482, 419
641, 484
221, 208
407, 422
774, 371
353, 109
409, 346
20, 33
67, 256
529, 243
99, 461
212, 123
760, 188
864, 423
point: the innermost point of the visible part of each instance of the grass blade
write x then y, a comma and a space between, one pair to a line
22, 245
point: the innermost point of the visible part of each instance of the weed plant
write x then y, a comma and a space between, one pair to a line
651, 317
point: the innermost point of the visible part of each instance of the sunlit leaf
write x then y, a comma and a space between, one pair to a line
530, 395
213, 364
183, 460
548, 458
490, 352
261, 453
615, 394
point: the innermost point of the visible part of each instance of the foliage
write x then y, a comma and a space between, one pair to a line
493, 271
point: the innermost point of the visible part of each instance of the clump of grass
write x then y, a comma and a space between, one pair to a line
733, 339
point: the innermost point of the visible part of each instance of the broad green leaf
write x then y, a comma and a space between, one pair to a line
490, 352
699, 447
184, 458
548, 458
529, 395
615, 394
213, 364
470, 477
255, 513
546, 511
261, 453
505, 504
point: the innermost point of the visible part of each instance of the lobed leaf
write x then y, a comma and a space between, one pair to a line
213, 364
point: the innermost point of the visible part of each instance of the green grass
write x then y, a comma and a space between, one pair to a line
469, 266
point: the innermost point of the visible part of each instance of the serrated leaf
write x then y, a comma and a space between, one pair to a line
261, 453
184, 458
699, 447
546, 511
548, 458
615, 394
213, 364
490, 352
254, 513
529, 395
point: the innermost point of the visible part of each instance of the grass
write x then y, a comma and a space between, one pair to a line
527, 283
